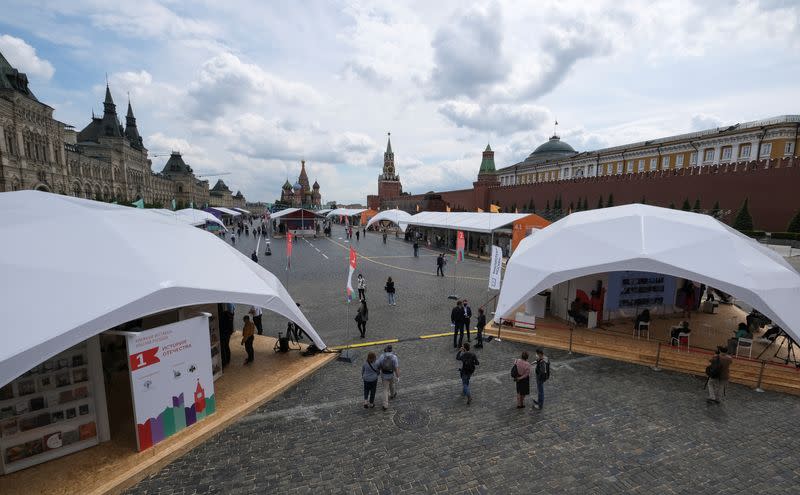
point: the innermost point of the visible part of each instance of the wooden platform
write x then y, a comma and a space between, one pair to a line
113, 466
617, 343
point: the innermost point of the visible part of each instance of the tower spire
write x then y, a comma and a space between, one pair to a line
555, 128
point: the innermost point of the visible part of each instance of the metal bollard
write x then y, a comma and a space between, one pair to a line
760, 375
658, 357
570, 339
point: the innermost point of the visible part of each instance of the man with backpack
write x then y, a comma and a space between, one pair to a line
718, 372
468, 363
542, 366
389, 367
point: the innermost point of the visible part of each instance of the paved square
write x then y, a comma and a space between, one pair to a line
607, 427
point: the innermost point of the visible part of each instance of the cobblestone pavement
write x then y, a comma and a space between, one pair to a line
318, 283
607, 427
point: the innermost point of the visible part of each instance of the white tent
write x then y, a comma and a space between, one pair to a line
483, 223
397, 217
197, 217
287, 211
242, 210
226, 211
323, 211
73, 268
651, 239
186, 216
345, 212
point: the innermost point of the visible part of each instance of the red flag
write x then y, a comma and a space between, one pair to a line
289, 240
460, 244
351, 269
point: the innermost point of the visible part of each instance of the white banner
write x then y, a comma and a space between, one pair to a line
495, 267
171, 378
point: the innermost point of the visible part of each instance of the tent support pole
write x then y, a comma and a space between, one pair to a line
658, 357
760, 376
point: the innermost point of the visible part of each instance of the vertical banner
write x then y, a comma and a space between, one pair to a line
495, 267
350, 270
460, 244
289, 240
171, 378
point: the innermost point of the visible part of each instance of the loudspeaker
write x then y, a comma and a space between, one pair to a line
283, 344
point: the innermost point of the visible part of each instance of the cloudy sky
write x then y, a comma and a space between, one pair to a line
251, 88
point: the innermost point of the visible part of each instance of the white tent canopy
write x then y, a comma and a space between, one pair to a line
483, 223
345, 212
109, 265
186, 216
397, 217
651, 239
226, 211
199, 217
287, 211
246, 212
323, 211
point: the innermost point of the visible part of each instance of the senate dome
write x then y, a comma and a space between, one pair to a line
553, 149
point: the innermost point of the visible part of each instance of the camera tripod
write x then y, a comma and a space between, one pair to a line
791, 356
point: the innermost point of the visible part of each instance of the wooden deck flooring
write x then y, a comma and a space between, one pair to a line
113, 466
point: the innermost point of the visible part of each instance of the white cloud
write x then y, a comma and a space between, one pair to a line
226, 83
702, 121
468, 53
500, 119
22, 56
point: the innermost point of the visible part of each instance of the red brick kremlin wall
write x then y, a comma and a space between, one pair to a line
772, 186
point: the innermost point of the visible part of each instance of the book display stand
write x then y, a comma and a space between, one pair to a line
51, 410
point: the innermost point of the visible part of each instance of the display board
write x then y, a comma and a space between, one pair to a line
171, 378
631, 290
52, 410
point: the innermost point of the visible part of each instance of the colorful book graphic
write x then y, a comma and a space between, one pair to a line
175, 418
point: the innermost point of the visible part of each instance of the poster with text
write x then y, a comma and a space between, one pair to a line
171, 379
628, 290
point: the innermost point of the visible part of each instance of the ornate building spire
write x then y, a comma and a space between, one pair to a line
131, 132
388, 161
110, 124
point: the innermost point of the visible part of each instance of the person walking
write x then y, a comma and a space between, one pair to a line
389, 366
719, 372
256, 312
358, 235
542, 372
416, 249
390, 291
384, 236
225, 332
362, 287
481, 324
248, 333
521, 372
467, 318
457, 320
468, 363
361, 318
370, 374
440, 265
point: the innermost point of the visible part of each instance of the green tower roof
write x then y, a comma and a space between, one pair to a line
487, 164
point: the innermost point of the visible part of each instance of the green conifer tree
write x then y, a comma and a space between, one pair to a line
794, 225
743, 220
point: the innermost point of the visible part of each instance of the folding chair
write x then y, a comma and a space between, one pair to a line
745, 344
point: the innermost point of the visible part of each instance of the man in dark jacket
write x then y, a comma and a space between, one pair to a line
467, 319
457, 319
468, 363
481, 324
440, 265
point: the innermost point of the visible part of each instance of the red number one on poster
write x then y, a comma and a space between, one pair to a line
144, 359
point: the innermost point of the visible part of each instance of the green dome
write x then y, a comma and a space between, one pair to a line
553, 149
